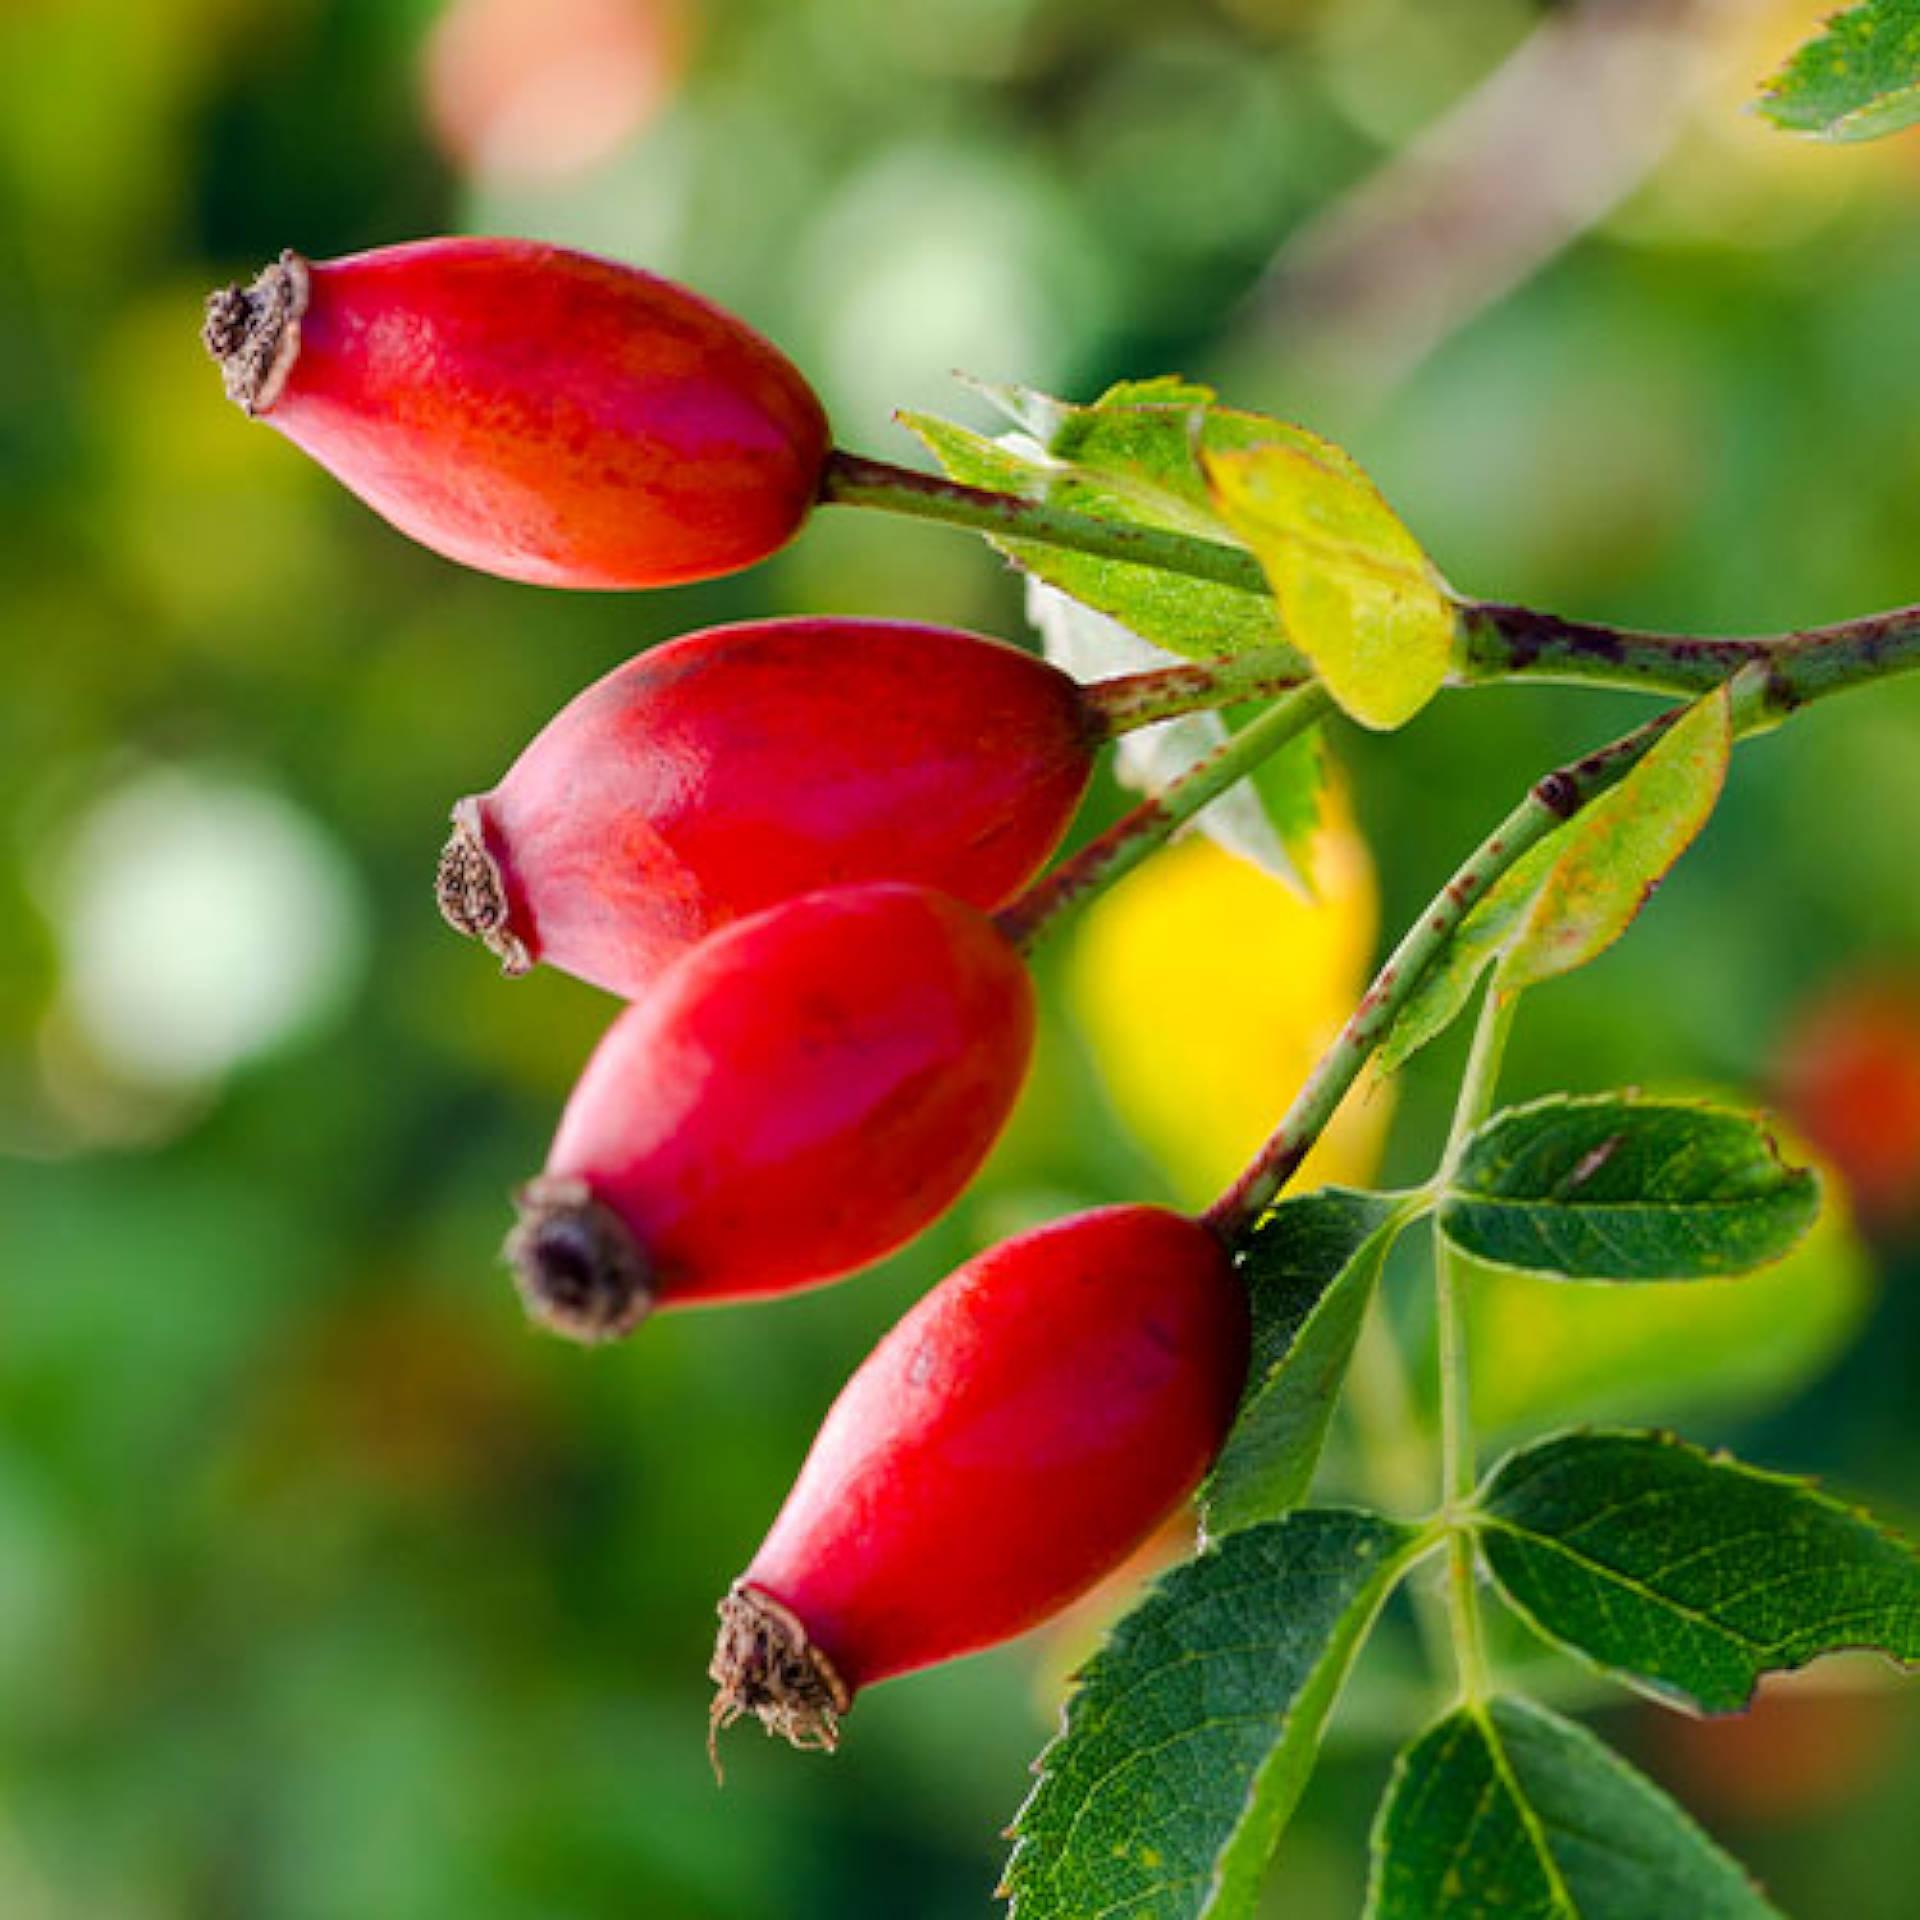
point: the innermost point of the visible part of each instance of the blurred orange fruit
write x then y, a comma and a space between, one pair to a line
539, 89
1849, 1076
1810, 1742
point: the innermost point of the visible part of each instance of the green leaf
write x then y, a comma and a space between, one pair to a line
1582, 887
1612, 1187
1662, 1351
1312, 1266
1689, 1574
1479, 940
1504, 1811
1193, 1731
1130, 457
1858, 79
1357, 594
1617, 851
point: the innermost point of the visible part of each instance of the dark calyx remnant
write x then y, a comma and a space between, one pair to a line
472, 894
579, 1269
254, 332
764, 1664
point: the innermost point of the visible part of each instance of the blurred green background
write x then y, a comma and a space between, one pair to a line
328, 1590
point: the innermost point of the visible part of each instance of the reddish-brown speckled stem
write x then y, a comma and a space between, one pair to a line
1155, 821
1132, 700
1551, 800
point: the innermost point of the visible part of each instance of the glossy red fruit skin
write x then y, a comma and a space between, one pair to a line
536, 413
733, 768
797, 1097
1010, 1442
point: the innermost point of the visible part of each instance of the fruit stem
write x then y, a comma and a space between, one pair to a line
1132, 700
1497, 641
1550, 802
1457, 1475
851, 480
1155, 821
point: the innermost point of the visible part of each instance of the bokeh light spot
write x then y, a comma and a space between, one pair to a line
200, 922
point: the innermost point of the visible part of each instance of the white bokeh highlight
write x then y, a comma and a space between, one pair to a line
201, 922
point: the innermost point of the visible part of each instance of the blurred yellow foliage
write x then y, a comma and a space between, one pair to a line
1207, 990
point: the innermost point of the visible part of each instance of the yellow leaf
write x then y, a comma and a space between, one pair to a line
1357, 595
1207, 989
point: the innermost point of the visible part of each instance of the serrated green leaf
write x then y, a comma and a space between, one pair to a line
972, 458
1580, 889
1858, 79
1660, 1351
1125, 462
1612, 1187
1311, 1266
1193, 1730
1358, 596
1442, 995
1615, 853
1504, 1811
1690, 1574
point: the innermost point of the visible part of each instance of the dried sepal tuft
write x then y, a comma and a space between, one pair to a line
764, 1664
254, 332
579, 1270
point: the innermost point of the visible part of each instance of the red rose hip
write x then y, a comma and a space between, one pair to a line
530, 411
798, 1096
1009, 1443
733, 768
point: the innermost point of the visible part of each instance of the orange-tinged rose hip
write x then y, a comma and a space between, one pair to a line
731, 769
530, 411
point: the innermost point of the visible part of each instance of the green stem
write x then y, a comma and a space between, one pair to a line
1457, 1475
1155, 821
1393, 1458
1132, 700
1552, 800
1496, 641
850, 480
1394, 1462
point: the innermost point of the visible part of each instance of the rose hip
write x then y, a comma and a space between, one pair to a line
1009, 1443
798, 1096
530, 411
729, 769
